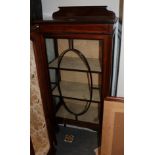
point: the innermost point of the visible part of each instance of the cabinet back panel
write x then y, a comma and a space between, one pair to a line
90, 49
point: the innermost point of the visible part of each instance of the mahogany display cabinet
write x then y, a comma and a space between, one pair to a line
80, 68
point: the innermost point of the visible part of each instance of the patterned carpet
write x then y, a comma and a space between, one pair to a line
84, 143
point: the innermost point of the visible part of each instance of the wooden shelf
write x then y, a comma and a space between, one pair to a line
76, 64
90, 116
75, 90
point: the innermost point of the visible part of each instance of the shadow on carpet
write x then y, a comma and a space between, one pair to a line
84, 142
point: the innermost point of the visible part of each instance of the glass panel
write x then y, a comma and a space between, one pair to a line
51, 55
74, 82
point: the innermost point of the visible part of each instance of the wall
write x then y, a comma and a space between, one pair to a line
49, 6
120, 87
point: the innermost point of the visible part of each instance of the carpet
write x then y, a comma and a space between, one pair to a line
84, 143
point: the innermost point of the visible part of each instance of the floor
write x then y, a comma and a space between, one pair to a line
84, 143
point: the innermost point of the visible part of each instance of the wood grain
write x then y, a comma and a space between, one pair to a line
112, 127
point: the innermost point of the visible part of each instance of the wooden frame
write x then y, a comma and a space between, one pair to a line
113, 127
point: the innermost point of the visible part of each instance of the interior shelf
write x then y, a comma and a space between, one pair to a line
76, 64
75, 90
90, 116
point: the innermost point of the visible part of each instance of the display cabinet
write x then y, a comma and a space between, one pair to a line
82, 76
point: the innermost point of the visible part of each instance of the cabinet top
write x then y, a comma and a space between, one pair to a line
79, 20
84, 14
